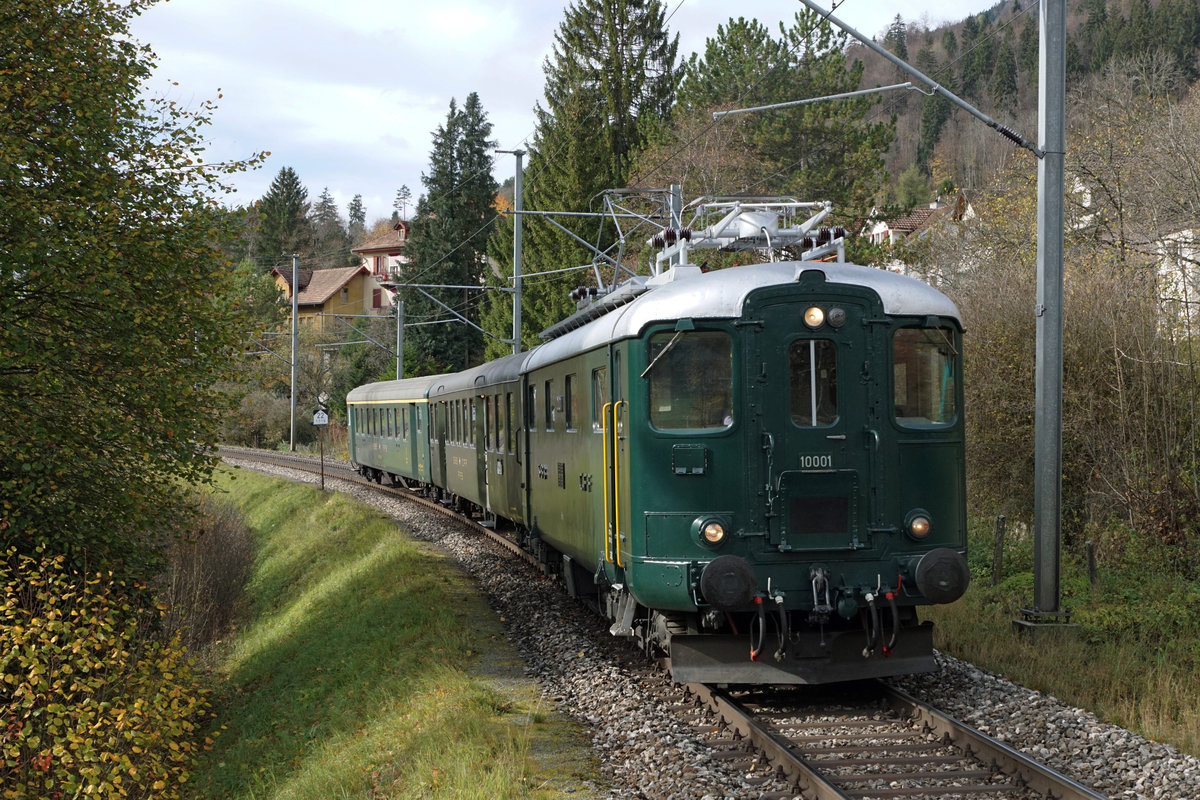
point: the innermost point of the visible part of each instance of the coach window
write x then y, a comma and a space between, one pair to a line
404, 421
497, 423
813, 367
923, 369
691, 380
549, 401
599, 397
506, 423
531, 408
471, 403
489, 429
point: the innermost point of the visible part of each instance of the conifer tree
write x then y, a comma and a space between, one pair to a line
449, 240
1004, 77
610, 82
283, 220
330, 248
358, 220
828, 151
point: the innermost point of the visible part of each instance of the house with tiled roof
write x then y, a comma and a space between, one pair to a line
382, 255
324, 293
918, 222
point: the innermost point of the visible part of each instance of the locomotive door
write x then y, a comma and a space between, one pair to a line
816, 440
610, 411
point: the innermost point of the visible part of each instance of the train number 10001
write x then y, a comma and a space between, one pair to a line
816, 462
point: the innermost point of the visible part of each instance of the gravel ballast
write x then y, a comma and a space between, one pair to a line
644, 729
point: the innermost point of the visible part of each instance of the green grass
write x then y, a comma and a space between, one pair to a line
1134, 657
356, 672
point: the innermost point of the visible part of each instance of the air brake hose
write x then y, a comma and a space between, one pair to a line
781, 653
890, 646
873, 626
761, 619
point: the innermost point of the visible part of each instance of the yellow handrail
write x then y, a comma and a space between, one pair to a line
604, 429
617, 483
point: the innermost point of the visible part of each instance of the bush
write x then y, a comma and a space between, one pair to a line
206, 572
92, 704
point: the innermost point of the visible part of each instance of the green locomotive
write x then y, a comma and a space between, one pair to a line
757, 470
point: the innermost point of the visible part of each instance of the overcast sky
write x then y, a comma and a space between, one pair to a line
347, 93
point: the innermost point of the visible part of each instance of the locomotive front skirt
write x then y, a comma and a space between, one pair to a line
757, 470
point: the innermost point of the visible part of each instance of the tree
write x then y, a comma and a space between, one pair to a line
330, 245
1004, 78
358, 220
610, 83
449, 240
912, 188
827, 151
740, 66
400, 204
283, 220
896, 41
111, 342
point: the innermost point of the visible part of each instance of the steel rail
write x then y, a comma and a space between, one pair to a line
308, 464
787, 753
1033, 774
807, 760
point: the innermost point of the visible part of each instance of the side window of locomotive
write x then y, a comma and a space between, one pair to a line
531, 408
923, 371
599, 397
572, 398
813, 367
549, 401
691, 380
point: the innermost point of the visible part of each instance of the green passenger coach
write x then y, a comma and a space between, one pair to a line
757, 470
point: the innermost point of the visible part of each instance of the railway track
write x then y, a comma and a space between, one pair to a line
869, 740
864, 740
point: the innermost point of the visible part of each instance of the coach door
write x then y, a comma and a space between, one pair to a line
437, 441
817, 439
610, 413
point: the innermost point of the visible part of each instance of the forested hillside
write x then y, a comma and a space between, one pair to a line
991, 60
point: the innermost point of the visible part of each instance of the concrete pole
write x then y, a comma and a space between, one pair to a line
1047, 488
295, 340
517, 178
399, 339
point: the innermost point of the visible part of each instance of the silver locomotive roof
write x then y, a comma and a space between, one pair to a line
686, 292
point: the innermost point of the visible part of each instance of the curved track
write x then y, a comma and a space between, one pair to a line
863, 740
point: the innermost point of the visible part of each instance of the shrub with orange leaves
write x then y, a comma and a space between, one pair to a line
92, 703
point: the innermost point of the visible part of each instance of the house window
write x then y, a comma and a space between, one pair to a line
379, 265
345, 294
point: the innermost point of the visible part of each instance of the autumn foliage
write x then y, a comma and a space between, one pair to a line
91, 704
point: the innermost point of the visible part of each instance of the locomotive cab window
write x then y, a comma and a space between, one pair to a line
812, 364
924, 361
599, 397
691, 380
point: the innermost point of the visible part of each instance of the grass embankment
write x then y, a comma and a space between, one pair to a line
356, 672
1134, 658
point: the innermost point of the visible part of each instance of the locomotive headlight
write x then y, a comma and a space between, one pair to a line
713, 533
813, 317
710, 532
918, 525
